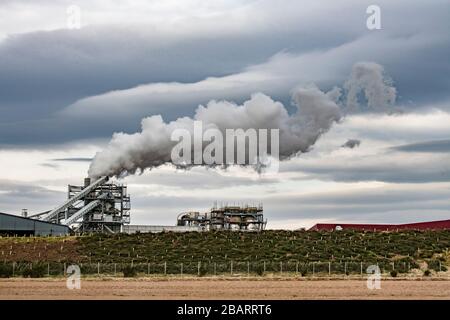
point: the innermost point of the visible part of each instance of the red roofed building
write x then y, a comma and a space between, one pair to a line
432, 225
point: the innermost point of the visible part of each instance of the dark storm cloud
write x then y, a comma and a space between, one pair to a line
44, 72
439, 146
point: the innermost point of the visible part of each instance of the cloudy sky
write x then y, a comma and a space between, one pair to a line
64, 91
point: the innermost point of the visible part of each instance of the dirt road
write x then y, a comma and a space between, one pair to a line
222, 289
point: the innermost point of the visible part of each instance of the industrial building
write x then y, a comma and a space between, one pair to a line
99, 206
13, 225
237, 218
242, 218
104, 206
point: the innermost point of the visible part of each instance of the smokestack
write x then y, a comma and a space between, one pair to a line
87, 182
24, 213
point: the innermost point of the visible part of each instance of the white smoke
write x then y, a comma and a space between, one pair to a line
316, 111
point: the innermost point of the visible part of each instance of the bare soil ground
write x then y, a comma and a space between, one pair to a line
214, 288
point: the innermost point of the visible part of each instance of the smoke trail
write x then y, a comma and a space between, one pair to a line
316, 111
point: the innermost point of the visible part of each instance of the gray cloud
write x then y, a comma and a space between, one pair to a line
437, 146
386, 204
15, 196
196, 178
377, 167
81, 68
351, 143
73, 159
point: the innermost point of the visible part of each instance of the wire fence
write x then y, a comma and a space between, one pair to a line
206, 268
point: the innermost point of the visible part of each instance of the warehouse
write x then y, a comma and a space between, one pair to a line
22, 226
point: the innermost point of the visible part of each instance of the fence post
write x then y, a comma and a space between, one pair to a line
165, 267
345, 267
281, 267
115, 269
231, 267
393, 265
148, 268
215, 268
98, 268
248, 268
313, 268
440, 266
264, 266
296, 267
361, 268
65, 269
14, 268
181, 269
198, 268
329, 268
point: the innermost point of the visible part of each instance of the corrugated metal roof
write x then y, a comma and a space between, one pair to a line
10, 223
26, 218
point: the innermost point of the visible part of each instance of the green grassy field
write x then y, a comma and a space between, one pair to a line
405, 250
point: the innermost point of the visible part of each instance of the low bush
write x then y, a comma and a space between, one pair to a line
36, 271
6, 270
393, 273
259, 270
427, 273
129, 272
203, 270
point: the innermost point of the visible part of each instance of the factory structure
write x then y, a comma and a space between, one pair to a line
96, 206
226, 217
104, 206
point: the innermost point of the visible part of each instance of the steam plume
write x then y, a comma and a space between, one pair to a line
316, 111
